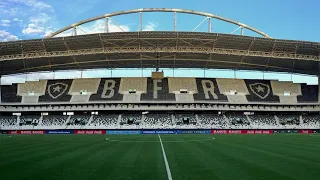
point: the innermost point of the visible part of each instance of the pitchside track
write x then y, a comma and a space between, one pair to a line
83, 157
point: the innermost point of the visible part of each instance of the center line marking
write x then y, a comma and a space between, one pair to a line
165, 160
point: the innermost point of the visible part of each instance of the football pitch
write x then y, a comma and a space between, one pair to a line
140, 157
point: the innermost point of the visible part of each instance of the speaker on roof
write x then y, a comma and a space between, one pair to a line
83, 92
157, 75
132, 91
183, 91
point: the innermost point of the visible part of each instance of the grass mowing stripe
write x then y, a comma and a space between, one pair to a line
283, 165
165, 159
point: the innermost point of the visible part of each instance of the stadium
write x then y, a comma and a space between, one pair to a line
159, 127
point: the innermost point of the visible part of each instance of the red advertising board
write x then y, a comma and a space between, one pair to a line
28, 132
89, 131
305, 131
12, 132
241, 131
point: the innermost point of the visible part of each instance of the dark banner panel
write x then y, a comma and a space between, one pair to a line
158, 132
123, 132
4, 132
57, 91
9, 94
208, 90
286, 131
193, 131
309, 94
157, 90
108, 90
59, 132
260, 91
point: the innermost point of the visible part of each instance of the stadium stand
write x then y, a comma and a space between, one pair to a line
238, 121
54, 121
162, 120
29, 121
57, 91
186, 120
157, 121
9, 94
108, 90
8, 122
180, 90
102, 121
78, 121
130, 121
208, 91
214, 121
157, 90
311, 121
235, 89
263, 121
287, 91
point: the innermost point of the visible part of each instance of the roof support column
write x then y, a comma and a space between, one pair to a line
140, 21
107, 25
174, 21
210, 25
75, 30
0, 86
318, 87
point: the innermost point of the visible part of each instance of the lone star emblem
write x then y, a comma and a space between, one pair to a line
261, 90
56, 90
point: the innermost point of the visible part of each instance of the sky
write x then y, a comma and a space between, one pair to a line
283, 19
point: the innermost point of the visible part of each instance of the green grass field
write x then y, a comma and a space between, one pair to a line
192, 157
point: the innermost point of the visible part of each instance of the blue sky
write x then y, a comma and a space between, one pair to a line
284, 19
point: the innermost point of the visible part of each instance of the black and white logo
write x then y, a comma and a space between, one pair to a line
57, 89
261, 90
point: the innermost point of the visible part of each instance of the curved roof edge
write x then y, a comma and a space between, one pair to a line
159, 10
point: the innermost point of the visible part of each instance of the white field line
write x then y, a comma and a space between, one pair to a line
165, 160
116, 140
315, 135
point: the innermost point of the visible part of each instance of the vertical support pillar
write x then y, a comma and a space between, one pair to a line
0, 87
107, 25
175, 21
242, 31
210, 25
75, 30
318, 88
140, 21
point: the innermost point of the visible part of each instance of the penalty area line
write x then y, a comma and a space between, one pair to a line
165, 159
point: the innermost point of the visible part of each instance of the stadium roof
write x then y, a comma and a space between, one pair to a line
162, 49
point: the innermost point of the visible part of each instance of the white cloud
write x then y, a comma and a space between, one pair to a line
6, 36
97, 27
150, 26
32, 3
38, 25
5, 22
